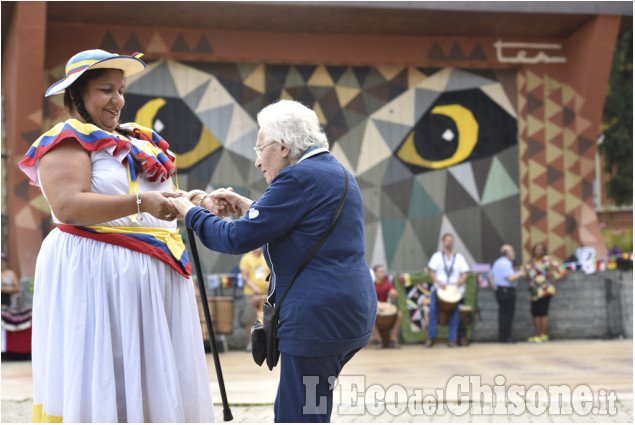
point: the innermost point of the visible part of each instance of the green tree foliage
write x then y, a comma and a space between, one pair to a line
618, 122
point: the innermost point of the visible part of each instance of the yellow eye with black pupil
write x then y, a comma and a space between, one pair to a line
460, 126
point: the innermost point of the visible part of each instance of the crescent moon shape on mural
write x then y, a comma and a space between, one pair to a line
206, 145
467, 127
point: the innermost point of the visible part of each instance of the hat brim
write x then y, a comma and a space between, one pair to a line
127, 64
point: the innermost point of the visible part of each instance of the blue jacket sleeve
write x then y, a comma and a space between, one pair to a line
282, 206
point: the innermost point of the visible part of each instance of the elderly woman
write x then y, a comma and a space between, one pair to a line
329, 312
116, 333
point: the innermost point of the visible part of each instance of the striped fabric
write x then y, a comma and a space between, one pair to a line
16, 319
78, 66
163, 244
157, 160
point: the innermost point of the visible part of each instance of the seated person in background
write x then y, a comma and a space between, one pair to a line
254, 270
10, 284
385, 290
10, 287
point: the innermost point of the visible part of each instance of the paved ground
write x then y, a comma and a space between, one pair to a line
413, 384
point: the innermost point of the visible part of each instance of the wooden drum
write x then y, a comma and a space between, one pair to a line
221, 310
386, 318
465, 319
466, 315
447, 300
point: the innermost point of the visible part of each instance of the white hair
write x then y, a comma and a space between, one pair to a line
291, 123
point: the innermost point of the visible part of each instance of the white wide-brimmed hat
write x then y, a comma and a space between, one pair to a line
92, 59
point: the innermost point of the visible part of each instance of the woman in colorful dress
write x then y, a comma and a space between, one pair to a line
116, 332
542, 272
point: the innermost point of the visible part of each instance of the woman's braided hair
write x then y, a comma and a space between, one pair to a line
73, 101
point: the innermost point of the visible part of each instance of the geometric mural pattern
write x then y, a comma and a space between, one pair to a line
207, 111
407, 212
523, 178
557, 165
372, 116
533, 187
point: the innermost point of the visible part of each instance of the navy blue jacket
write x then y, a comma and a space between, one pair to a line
332, 306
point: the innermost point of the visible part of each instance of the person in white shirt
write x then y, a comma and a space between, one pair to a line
446, 268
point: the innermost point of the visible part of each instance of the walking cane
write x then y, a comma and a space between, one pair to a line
227, 413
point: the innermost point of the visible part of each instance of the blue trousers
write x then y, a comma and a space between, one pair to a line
305, 390
433, 318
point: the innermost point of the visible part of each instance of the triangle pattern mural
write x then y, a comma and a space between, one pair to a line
477, 152
556, 184
369, 114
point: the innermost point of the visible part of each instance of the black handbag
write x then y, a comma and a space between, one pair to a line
264, 341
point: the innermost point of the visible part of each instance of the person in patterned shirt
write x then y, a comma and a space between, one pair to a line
542, 272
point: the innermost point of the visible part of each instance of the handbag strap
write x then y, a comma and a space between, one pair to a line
319, 243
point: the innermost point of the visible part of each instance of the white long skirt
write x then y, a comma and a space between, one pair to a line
116, 337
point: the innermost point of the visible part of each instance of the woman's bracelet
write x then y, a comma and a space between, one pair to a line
139, 216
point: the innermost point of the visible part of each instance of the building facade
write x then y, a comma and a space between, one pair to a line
479, 119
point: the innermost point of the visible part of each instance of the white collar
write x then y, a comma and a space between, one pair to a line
312, 152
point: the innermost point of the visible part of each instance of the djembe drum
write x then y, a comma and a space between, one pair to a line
447, 300
465, 319
386, 317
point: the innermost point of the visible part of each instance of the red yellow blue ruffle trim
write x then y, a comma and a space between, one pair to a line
157, 161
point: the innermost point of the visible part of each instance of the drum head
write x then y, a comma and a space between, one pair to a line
450, 294
386, 309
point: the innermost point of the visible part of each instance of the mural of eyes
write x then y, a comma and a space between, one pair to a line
189, 139
459, 126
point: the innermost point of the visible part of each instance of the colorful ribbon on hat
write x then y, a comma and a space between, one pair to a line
163, 244
79, 66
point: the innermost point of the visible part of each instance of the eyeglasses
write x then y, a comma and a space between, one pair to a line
259, 149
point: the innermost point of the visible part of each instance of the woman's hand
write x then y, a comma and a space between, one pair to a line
227, 202
217, 204
183, 205
158, 204
221, 202
66, 173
